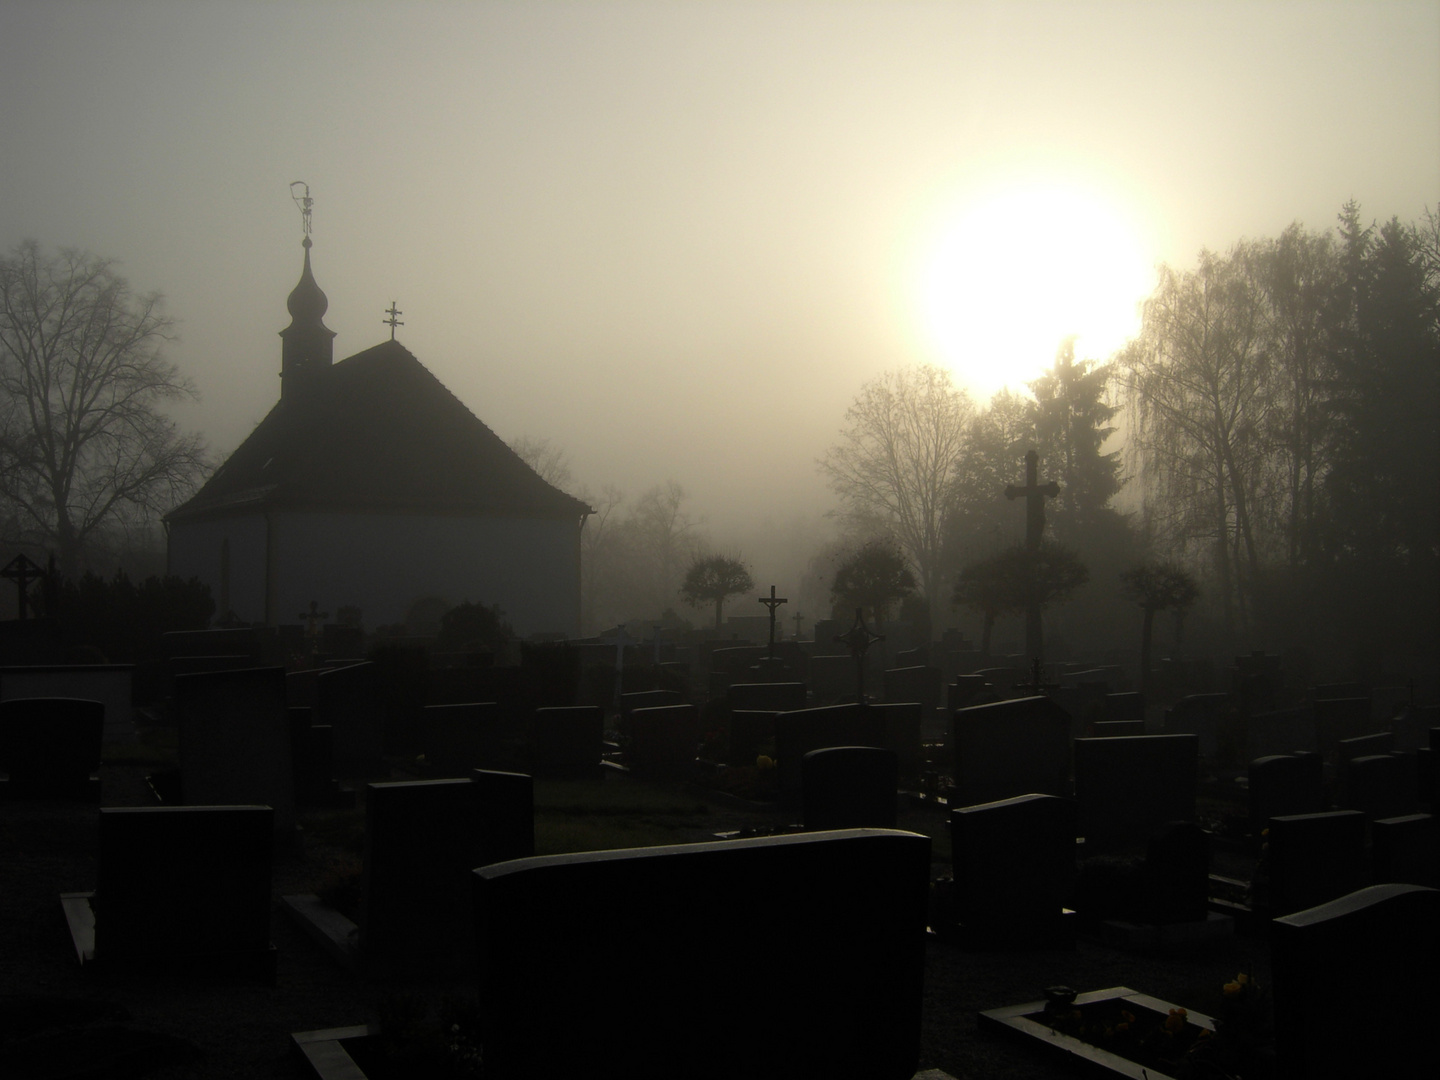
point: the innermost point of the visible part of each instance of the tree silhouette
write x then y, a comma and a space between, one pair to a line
1006, 581
875, 577
713, 579
1157, 586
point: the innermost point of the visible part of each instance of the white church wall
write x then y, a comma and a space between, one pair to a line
383, 564
194, 550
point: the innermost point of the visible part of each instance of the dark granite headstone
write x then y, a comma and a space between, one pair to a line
750, 731
1010, 748
1127, 788
1354, 986
567, 743
422, 839
1284, 784
839, 942
1283, 731
235, 741
1176, 874
832, 678
1405, 850
180, 889
1014, 872
507, 815
110, 684
919, 683
1126, 707
849, 787
1379, 785
1199, 714
348, 699
803, 730
767, 697
648, 699
903, 735
480, 735
1340, 718
1114, 729
1315, 858
664, 741
50, 748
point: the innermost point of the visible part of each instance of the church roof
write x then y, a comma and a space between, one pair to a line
377, 432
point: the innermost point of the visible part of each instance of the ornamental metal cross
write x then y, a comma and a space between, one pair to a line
22, 570
392, 321
772, 602
858, 640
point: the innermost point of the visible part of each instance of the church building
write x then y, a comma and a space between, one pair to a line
370, 485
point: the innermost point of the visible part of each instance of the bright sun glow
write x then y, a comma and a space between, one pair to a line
1012, 273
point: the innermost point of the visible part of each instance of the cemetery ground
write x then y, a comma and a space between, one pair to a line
167, 1028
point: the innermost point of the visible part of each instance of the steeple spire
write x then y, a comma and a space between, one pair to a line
307, 344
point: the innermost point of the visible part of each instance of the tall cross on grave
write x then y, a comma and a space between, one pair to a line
1035, 494
22, 570
313, 618
392, 321
621, 640
799, 618
772, 602
858, 640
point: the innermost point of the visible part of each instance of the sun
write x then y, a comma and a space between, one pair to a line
1007, 275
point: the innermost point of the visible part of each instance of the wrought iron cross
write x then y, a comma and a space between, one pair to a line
772, 602
858, 640
22, 570
392, 321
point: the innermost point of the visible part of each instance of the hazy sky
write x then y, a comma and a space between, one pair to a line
676, 238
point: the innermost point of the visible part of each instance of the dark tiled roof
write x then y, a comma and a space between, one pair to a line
377, 432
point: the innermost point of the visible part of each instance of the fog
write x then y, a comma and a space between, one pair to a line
675, 239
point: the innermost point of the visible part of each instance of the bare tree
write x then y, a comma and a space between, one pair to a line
712, 579
897, 458
547, 459
83, 445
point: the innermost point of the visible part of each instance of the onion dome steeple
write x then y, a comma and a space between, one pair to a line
307, 345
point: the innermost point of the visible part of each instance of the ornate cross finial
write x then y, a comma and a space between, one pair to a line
858, 640
304, 202
392, 321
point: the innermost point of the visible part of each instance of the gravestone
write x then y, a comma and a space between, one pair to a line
849, 787
50, 749
1379, 786
348, 699
664, 742
917, 683
802, 730
234, 745
422, 839
903, 735
1283, 731
1354, 985
109, 684
964, 691
1405, 850
1340, 718
1176, 874
567, 743
310, 763
838, 993
648, 699
179, 890
1014, 872
1128, 788
507, 815
751, 730
1110, 729
1282, 785
1314, 858
458, 738
767, 697
1381, 742
832, 678
1010, 748
258, 644
1126, 707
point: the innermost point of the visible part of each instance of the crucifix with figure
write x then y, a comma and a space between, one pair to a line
1034, 494
772, 602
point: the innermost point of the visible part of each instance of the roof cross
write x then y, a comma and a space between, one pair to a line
393, 321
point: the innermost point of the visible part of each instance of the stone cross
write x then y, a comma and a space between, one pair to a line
772, 602
858, 640
313, 618
799, 618
1035, 494
22, 570
392, 321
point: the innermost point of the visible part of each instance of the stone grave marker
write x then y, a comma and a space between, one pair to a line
1110, 729
750, 731
1283, 731
1352, 978
1314, 858
1128, 788
1124, 708
315, 783
458, 738
1379, 785
664, 741
348, 699
507, 815
1014, 872
803, 730
849, 787
1010, 748
916, 683
234, 745
966, 690
109, 684
182, 890
567, 743
1177, 874
832, 677
1200, 714
1405, 850
1282, 785
768, 697
559, 933
50, 749
1340, 718
1411, 726
904, 735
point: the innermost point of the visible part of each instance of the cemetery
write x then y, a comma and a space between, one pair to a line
584, 860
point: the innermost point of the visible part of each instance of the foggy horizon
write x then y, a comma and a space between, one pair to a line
676, 241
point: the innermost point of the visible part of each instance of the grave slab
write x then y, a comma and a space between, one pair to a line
50, 748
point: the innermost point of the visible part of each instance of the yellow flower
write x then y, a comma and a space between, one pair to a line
1242, 978
1233, 988
764, 763
1175, 1021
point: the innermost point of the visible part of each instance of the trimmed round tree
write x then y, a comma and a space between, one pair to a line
876, 577
1157, 586
714, 579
